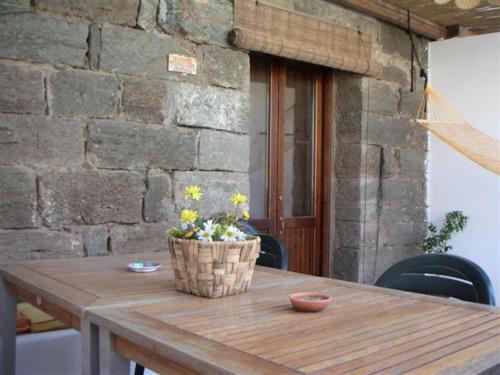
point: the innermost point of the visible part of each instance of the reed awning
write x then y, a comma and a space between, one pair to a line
281, 32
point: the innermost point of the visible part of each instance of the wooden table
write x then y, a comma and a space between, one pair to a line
68, 288
366, 330
141, 317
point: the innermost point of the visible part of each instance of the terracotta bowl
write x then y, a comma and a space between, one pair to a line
310, 302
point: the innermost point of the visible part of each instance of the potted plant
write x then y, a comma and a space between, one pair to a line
211, 257
437, 241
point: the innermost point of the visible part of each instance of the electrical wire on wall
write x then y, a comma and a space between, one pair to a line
414, 56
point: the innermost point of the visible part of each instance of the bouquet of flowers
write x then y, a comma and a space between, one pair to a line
219, 227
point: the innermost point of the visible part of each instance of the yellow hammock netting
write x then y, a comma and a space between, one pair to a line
438, 117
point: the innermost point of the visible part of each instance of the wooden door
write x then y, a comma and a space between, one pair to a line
290, 121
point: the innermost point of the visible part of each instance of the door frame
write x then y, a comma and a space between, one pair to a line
323, 155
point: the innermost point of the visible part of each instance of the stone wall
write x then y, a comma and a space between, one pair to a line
97, 137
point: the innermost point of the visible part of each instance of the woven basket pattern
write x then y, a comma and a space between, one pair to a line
213, 269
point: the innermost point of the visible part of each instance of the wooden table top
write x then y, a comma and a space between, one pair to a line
366, 330
67, 288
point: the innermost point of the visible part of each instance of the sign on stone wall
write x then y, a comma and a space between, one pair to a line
182, 64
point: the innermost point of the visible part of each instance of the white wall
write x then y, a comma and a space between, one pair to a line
466, 72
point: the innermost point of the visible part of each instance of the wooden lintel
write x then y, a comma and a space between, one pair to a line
453, 31
397, 16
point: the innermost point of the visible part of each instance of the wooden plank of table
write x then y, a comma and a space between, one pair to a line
366, 330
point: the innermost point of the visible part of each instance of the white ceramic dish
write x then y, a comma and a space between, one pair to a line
143, 266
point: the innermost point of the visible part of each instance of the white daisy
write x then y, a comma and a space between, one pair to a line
209, 226
204, 235
232, 234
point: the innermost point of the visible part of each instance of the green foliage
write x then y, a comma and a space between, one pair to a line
437, 241
175, 232
220, 229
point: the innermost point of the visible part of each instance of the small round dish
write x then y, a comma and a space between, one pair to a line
310, 302
143, 266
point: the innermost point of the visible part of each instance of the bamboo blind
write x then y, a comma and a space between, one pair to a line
280, 32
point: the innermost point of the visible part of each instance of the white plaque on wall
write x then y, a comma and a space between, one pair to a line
182, 64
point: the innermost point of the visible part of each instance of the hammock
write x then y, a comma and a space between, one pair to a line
444, 122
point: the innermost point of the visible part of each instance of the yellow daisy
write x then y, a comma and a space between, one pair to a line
245, 214
188, 216
238, 198
192, 192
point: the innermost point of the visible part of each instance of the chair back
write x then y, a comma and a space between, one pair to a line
247, 228
273, 252
442, 275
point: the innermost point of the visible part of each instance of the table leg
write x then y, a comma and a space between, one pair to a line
7, 331
110, 363
90, 347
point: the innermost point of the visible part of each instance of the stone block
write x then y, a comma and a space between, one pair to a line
374, 162
392, 161
30, 244
94, 51
90, 197
346, 264
209, 107
114, 144
148, 10
143, 99
122, 12
403, 193
351, 191
356, 213
22, 89
224, 151
413, 163
217, 188
394, 40
158, 200
410, 103
10, 6
137, 52
348, 234
383, 97
395, 73
402, 234
352, 94
349, 160
385, 130
403, 214
17, 198
33, 37
199, 20
83, 94
95, 239
355, 160
34, 140
139, 238
350, 126
419, 136
226, 67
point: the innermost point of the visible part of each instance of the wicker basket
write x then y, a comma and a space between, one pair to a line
213, 269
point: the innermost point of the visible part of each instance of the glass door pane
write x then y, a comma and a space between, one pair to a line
259, 136
299, 140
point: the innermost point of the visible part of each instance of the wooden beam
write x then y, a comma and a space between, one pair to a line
397, 16
458, 31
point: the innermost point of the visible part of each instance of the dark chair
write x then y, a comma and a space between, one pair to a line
247, 228
442, 275
273, 252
